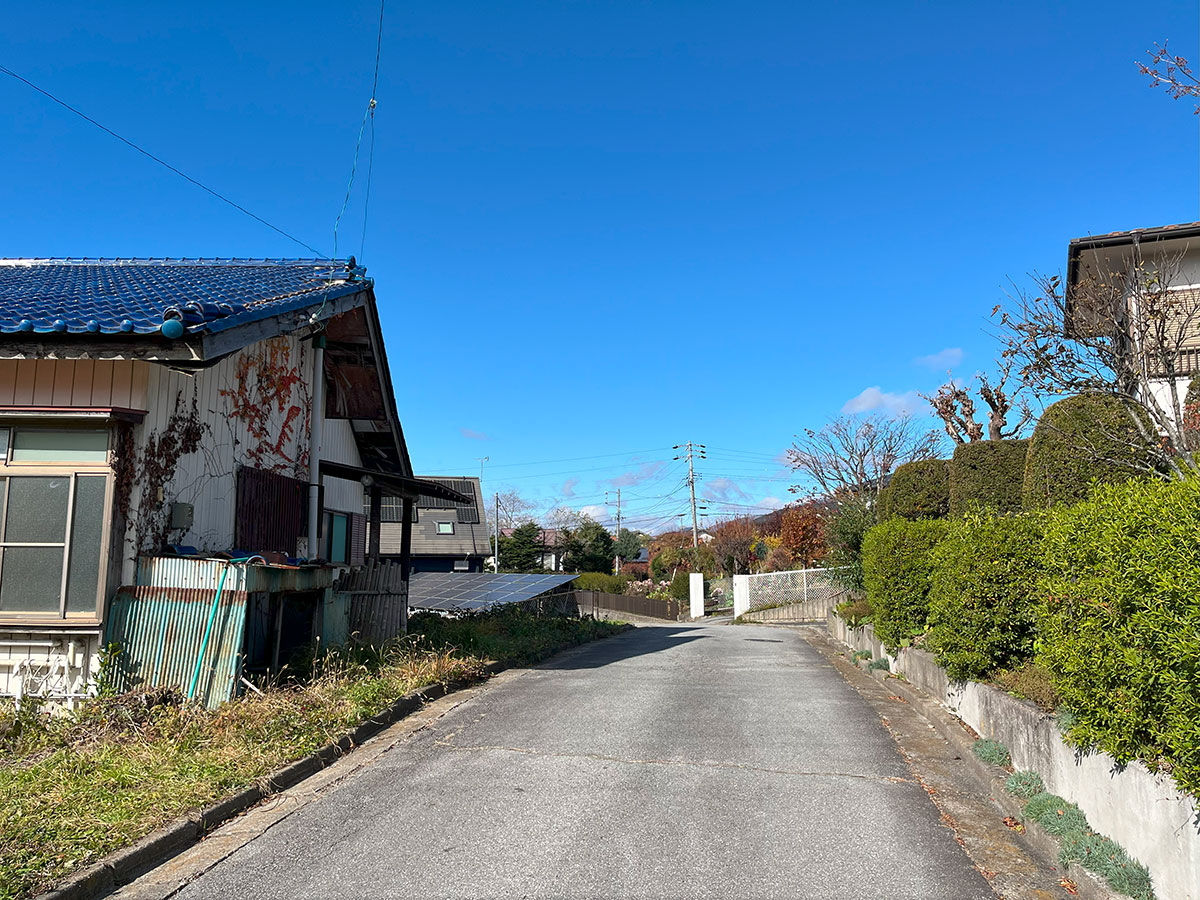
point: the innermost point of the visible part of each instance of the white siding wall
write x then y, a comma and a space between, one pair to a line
338, 445
254, 410
57, 665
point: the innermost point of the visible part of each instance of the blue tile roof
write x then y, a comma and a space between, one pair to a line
136, 296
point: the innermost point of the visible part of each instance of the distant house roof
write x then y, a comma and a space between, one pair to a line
140, 296
549, 537
468, 531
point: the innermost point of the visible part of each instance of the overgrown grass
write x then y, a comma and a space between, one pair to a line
1024, 784
1095, 852
76, 787
992, 752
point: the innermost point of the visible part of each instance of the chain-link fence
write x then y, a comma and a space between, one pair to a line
802, 595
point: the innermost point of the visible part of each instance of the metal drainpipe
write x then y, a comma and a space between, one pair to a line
314, 447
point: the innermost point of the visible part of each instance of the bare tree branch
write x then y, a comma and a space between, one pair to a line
851, 457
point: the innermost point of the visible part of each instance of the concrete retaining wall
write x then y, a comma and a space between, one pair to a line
812, 611
1143, 812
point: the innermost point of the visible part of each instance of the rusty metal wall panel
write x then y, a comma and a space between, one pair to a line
160, 631
192, 572
271, 511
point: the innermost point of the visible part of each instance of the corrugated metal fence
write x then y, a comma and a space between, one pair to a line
160, 631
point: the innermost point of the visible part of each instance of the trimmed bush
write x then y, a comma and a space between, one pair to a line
897, 567
1118, 620
990, 474
982, 594
855, 611
1078, 441
599, 581
918, 490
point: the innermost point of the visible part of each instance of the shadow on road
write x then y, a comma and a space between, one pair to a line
638, 642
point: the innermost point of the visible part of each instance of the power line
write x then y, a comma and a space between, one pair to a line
368, 113
545, 462
160, 161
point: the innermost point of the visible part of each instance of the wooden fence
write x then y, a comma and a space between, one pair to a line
377, 601
603, 605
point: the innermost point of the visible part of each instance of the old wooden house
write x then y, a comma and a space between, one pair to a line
193, 459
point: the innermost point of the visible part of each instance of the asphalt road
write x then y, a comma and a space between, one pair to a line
671, 761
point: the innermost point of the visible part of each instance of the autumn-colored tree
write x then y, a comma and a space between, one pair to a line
803, 533
733, 546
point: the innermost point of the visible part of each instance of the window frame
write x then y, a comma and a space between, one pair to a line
438, 528
73, 470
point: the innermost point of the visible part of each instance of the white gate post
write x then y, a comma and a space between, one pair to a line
741, 594
696, 594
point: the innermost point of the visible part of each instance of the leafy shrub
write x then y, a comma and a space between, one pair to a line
990, 474
1024, 784
1080, 440
680, 588
982, 593
897, 566
880, 663
992, 752
860, 654
1030, 682
848, 527
1191, 415
599, 581
1118, 619
855, 611
918, 490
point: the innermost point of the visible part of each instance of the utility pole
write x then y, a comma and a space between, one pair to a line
496, 525
692, 450
616, 556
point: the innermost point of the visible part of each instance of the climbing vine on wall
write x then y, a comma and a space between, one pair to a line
270, 398
155, 467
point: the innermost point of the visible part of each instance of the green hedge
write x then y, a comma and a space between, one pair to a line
1119, 621
918, 490
983, 594
897, 567
988, 473
1091, 437
600, 581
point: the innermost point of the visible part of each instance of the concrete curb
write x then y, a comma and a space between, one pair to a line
960, 736
125, 865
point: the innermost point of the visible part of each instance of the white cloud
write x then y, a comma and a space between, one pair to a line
629, 479
595, 511
724, 489
568, 488
474, 435
772, 502
872, 399
942, 360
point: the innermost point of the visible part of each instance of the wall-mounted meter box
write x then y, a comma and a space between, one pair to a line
181, 515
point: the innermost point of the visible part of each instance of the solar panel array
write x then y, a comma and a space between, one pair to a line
475, 591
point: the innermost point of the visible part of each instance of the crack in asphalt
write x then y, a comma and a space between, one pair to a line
699, 764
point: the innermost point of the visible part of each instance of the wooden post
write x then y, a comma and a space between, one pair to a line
406, 536
374, 525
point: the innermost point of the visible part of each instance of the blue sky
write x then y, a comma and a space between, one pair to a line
601, 229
